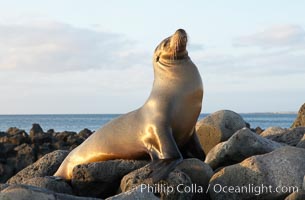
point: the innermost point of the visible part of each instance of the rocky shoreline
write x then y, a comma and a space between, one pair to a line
241, 163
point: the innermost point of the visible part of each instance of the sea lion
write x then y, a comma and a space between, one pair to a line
165, 123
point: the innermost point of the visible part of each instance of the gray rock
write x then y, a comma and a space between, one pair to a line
3, 186
67, 140
35, 130
300, 120
6, 171
51, 131
137, 193
284, 167
13, 130
289, 136
15, 136
258, 130
301, 144
273, 131
7, 150
46, 166
74, 141
65, 135
3, 133
102, 179
200, 174
52, 183
25, 156
85, 133
44, 149
243, 144
26, 192
300, 195
38, 136
218, 127
166, 189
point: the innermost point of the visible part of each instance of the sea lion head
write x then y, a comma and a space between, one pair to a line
173, 48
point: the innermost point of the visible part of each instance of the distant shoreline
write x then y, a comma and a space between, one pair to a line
77, 122
278, 113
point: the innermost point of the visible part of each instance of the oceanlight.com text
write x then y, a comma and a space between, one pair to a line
254, 189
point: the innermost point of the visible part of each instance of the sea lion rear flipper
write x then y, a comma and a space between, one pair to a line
193, 149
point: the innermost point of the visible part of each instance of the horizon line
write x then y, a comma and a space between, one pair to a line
206, 113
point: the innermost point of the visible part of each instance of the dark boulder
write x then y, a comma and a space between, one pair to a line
15, 136
25, 156
102, 179
52, 183
291, 136
6, 171
39, 137
175, 186
67, 140
35, 130
200, 174
7, 150
13, 130
45, 166
44, 149
300, 120
85, 133
27, 192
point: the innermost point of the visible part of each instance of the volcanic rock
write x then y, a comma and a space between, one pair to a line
102, 179
290, 136
300, 120
165, 189
242, 144
45, 166
282, 168
218, 127
26, 192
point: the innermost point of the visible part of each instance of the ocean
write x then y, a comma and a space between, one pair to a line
72, 122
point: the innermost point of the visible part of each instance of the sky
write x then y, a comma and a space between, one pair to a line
94, 57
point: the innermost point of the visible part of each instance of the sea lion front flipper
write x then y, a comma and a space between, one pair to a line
164, 152
193, 149
161, 168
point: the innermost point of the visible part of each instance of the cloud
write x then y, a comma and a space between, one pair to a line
274, 37
58, 47
277, 65
92, 91
262, 64
282, 53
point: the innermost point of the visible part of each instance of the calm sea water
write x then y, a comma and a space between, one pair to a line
95, 121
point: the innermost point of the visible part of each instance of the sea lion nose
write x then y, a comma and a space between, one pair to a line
181, 31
